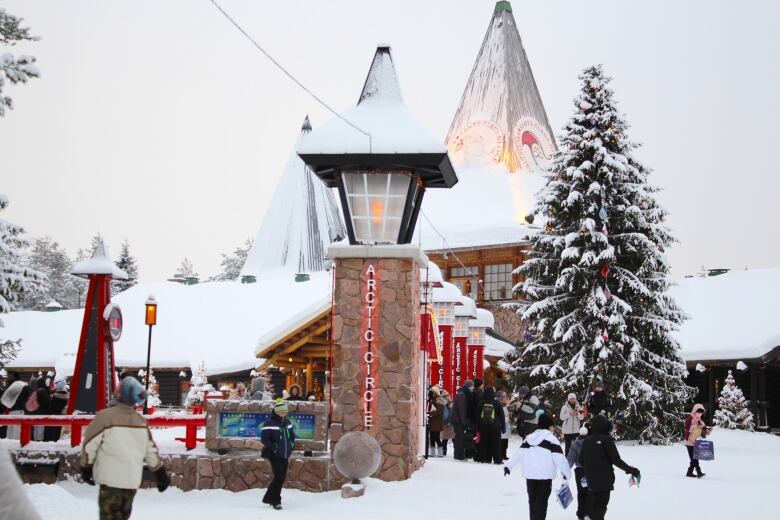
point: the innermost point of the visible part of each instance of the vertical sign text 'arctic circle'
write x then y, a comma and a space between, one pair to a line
369, 296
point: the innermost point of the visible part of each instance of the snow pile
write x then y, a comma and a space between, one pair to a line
218, 322
731, 316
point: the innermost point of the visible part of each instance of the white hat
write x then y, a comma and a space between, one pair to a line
571, 396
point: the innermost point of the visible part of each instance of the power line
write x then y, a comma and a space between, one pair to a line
444, 240
288, 74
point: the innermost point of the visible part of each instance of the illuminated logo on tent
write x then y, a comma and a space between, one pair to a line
533, 144
481, 142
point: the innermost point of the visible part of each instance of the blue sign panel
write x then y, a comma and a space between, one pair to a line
249, 424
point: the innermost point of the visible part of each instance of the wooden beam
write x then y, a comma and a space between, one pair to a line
302, 341
266, 353
309, 376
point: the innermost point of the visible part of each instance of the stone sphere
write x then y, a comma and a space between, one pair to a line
357, 455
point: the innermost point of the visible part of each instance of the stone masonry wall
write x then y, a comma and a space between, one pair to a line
396, 366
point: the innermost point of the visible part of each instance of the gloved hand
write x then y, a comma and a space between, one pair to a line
634, 472
163, 480
506, 471
86, 475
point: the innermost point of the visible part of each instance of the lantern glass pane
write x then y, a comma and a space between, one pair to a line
376, 204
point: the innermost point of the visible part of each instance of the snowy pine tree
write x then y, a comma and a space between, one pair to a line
186, 269
129, 265
597, 278
153, 401
199, 386
48, 257
16, 69
733, 412
232, 264
17, 280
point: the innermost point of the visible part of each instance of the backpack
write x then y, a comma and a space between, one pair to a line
487, 417
32, 402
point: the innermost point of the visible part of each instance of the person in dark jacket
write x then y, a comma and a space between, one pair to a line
491, 426
38, 385
599, 454
574, 458
462, 419
599, 402
278, 437
59, 400
529, 406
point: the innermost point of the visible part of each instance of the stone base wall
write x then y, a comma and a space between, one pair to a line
396, 372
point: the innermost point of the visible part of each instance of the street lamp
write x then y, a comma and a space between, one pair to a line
151, 320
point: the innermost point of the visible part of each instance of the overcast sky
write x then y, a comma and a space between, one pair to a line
156, 121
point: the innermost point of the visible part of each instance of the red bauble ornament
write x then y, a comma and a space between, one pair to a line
605, 270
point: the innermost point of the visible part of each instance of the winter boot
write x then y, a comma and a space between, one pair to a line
439, 451
699, 473
690, 470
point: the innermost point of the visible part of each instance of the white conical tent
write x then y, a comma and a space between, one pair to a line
301, 222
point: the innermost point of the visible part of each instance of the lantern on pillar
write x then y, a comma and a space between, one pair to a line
94, 376
476, 343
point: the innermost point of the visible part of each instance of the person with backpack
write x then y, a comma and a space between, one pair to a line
503, 398
574, 458
38, 403
14, 398
542, 457
278, 437
462, 419
116, 445
599, 454
694, 428
571, 414
447, 432
599, 402
529, 405
491, 426
435, 421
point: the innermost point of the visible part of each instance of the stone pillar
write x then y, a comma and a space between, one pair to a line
377, 384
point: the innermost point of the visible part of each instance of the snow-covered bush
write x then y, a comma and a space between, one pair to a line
200, 386
733, 412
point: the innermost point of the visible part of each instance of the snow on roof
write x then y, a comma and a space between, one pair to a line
497, 347
218, 322
100, 263
447, 293
731, 316
302, 220
381, 113
484, 319
292, 323
467, 307
431, 274
53, 304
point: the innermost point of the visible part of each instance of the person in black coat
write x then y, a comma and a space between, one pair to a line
599, 402
599, 454
462, 421
59, 400
44, 400
491, 426
278, 437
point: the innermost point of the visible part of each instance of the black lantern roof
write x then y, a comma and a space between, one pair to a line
378, 134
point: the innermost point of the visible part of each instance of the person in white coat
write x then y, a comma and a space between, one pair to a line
571, 415
542, 457
13, 500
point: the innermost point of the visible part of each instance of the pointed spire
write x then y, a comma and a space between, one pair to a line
306, 127
382, 81
100, 263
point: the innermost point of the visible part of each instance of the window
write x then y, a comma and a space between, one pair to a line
498, 282
464, 271
376, 205
461, 329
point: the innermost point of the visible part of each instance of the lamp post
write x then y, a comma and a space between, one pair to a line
151, 320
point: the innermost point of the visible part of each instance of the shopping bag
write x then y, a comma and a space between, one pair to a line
564, 495
703, 450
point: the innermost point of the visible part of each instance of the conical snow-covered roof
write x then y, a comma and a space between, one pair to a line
501, 118
302, 221
100, 263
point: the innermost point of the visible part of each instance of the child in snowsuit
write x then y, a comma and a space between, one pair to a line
542, 457
694, 428
599, 454
278, 437
575, 459
116, 444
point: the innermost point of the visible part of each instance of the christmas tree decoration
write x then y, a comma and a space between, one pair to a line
733, 411
598, 301
199, 387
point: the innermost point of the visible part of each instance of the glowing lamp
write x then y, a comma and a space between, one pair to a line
151, 311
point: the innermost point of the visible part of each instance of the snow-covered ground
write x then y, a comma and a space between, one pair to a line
741, 481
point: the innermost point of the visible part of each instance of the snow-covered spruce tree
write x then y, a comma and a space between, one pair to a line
48, 257
232, 264
17, 280
186, 269
596, 278
733, 412
17, 69
129, 265
199, 386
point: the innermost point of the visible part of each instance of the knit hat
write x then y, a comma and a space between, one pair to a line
280, 406
545, 421
130, 391
571, 396
60, 386
523, 391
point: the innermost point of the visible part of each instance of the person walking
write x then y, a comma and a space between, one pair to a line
571, 415
491, 426
14, 398
599, 402
542, 457
462, 419
435, 421
447, 432
59, 400
116, 445
694, 428
574, 459
529, 405
503, 398
599, 454
278, 437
